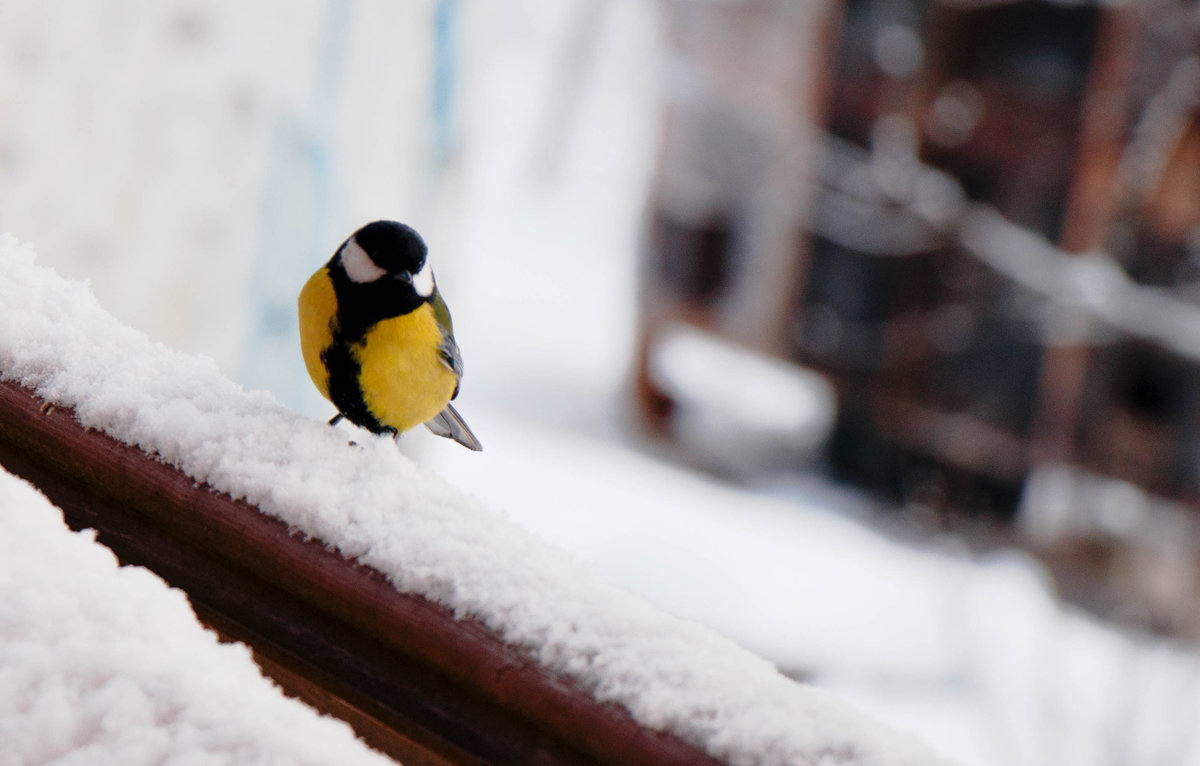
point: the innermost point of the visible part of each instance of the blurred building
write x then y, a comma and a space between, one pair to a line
979, 220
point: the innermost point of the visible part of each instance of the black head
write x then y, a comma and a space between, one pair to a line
386, 255
393, 247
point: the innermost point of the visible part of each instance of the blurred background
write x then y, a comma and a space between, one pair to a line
866, 331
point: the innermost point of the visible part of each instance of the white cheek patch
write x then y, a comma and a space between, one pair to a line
422, 281
358, 265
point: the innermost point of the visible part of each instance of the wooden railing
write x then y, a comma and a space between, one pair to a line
414, 681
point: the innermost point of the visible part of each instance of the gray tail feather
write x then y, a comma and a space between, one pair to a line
449, 423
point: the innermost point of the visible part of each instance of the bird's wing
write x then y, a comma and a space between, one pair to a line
447, 348
449, 423
442, 312
448, 351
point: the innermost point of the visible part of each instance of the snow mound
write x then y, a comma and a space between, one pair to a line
102, 664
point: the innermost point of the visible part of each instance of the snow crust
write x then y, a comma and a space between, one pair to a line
103, 664
377, 506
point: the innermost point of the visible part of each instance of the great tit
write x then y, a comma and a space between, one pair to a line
377, 338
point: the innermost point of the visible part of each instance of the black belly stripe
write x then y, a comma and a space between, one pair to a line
360, 307
345, 390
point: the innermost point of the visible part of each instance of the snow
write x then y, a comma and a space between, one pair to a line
102, 664
256, 146
376, 506
1092, 692
973, 654
755, 410
795, 582
967, 642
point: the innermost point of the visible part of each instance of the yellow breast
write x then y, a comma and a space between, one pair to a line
404, 381
318, 307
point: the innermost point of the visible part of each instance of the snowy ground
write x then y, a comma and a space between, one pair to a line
103, 664
198, 192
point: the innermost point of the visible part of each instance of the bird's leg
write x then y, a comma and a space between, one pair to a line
338, 418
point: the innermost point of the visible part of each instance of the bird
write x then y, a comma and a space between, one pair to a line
377, 338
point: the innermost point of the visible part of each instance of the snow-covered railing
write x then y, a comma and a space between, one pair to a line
433, 624
411, 677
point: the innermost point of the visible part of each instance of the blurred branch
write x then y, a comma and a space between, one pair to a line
1092, 284
1093, 296
412, 679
